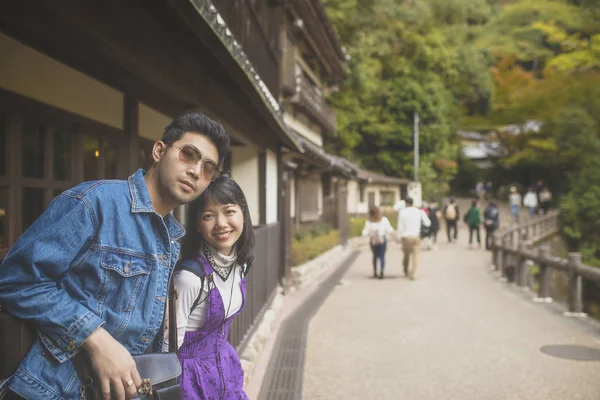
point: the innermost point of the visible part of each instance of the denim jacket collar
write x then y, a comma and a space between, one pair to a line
141, 203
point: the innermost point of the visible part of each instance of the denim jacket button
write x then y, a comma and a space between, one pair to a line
127, 268
71, 345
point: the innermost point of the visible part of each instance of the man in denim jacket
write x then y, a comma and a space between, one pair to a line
92, 272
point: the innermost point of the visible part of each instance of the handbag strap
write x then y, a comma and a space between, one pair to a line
172, 318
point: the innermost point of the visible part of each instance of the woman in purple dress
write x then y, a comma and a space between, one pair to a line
210, 281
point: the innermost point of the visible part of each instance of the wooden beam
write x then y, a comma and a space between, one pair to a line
262, 187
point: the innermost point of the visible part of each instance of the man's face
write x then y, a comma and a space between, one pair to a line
181, 182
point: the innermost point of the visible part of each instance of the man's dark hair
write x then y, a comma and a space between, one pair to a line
222, 190
409, 201
201, 124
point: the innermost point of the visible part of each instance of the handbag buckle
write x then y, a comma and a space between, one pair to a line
146, 387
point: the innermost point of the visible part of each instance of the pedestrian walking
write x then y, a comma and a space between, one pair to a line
426, 239
409, 232
491, 220
545, 200
530, 201
377, 228
514, 199
488, 190
451, 216
92, 273
211, 287
480, 190
473, 220
435, 215
398, 207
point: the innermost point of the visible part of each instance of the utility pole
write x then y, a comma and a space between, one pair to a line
416, 139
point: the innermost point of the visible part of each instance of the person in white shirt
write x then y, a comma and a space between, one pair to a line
514, 199
377, 227
409, 232
530, 201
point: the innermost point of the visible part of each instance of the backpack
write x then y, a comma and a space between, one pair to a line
450, 212
197, 268
375, 237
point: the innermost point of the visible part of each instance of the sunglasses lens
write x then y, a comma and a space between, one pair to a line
189, 155
211, 171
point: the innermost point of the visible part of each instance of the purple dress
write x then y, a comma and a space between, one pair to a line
211, 368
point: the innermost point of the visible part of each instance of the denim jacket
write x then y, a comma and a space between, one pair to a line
98, 256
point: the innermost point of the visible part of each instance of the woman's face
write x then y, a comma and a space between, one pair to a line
221, 225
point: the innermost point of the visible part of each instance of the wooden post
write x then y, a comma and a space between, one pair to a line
575, 284
544, 289
522, 269
504, 257
495, 251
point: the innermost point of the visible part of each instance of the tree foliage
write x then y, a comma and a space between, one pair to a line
406, 58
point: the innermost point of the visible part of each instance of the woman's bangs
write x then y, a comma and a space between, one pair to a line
219, 194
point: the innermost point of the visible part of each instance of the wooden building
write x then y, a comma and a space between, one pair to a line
312, 66
87, 87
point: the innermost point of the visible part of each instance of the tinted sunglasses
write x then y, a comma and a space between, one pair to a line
189, 155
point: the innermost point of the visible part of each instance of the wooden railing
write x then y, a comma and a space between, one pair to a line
261, 283
513, 250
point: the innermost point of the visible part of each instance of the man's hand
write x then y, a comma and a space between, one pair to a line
114, 366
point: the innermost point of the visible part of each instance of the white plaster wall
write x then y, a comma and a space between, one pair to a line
244, 168
353, 197
152, 124
32, 74
302, 128
292, 195
320, 196
272, 187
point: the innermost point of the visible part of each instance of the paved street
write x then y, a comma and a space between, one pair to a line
457, 332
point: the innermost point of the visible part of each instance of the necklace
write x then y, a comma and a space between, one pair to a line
220, 264
228, 306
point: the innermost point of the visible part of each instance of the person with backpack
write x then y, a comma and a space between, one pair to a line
409, 231
473, 220
91, 275
491, 218
210, 281
451, 216
376, 228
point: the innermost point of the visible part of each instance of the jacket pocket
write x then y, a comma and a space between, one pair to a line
124, 277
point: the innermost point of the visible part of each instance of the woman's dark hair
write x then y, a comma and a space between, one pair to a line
375, 214
201, 124
474, 203
222, 190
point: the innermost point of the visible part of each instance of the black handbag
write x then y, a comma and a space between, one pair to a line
159, 371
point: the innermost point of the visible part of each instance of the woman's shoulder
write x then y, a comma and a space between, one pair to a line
186, 280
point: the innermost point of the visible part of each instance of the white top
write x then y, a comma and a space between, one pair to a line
382, 227
398, 207
545, 195
530, 199
410, 222
514, 199
188, 287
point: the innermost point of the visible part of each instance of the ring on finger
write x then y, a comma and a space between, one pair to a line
129, 383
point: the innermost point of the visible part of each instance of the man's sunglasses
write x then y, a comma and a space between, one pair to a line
190, 155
